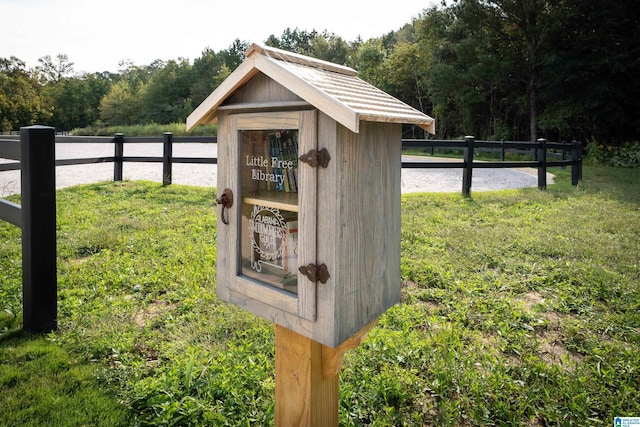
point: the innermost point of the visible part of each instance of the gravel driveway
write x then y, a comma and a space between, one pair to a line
413, 180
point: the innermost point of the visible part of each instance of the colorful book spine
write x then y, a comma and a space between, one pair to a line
275, 154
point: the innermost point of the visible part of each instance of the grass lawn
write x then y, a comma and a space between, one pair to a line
519, 308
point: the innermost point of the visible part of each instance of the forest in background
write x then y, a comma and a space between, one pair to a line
495, 69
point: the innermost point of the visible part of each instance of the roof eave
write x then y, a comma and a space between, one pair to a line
429, 127
426, 123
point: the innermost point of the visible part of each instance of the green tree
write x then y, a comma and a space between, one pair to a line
326, 46
368, 60
212, 68
122, 105
457, 91
208, 72
297, 41
592, 87
233, 56
166, 96
53, 70
405, 73
97, 85
332, 48
485, 76
76, 100
21, 103
524, 26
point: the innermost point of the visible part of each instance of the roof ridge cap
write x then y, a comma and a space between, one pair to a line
296, 58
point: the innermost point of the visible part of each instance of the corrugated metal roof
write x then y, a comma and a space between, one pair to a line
334, 89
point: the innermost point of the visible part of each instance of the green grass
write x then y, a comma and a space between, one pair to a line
41, 383
519, 308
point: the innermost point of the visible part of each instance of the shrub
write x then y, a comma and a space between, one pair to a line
150, 129
623, 156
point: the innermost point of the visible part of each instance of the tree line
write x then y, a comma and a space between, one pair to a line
496, 69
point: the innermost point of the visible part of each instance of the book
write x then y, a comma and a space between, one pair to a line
275, 154
283, 151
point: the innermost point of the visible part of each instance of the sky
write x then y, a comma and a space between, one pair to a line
99, 35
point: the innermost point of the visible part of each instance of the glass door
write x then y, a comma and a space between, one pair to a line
275, 226
269, 217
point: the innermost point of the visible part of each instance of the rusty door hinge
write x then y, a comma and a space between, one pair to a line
316, 158
315, 273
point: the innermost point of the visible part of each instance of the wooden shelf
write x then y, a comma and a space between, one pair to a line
274, 199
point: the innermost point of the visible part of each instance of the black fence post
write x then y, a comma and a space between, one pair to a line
39, 268
575, 162
579, 160
502, 150
167, 153
542, 163
118, 142
467, 171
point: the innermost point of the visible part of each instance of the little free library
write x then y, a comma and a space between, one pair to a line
309, 162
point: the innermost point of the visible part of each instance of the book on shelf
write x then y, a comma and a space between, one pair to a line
292, 155
284, 156
283, 146
275, 154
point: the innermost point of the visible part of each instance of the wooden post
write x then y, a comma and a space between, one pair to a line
467, 171
167, 153
542, 163
38, 194
307, 378
118, 141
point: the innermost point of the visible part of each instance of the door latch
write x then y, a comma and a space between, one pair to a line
226, 200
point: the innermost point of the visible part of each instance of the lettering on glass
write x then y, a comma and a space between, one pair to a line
273, 162
273, 239
269, 232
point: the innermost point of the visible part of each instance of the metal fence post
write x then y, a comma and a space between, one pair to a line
167, 153
39, 268
118, 141
467, 171
542, 163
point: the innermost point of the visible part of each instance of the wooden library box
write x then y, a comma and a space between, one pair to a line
309, 163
